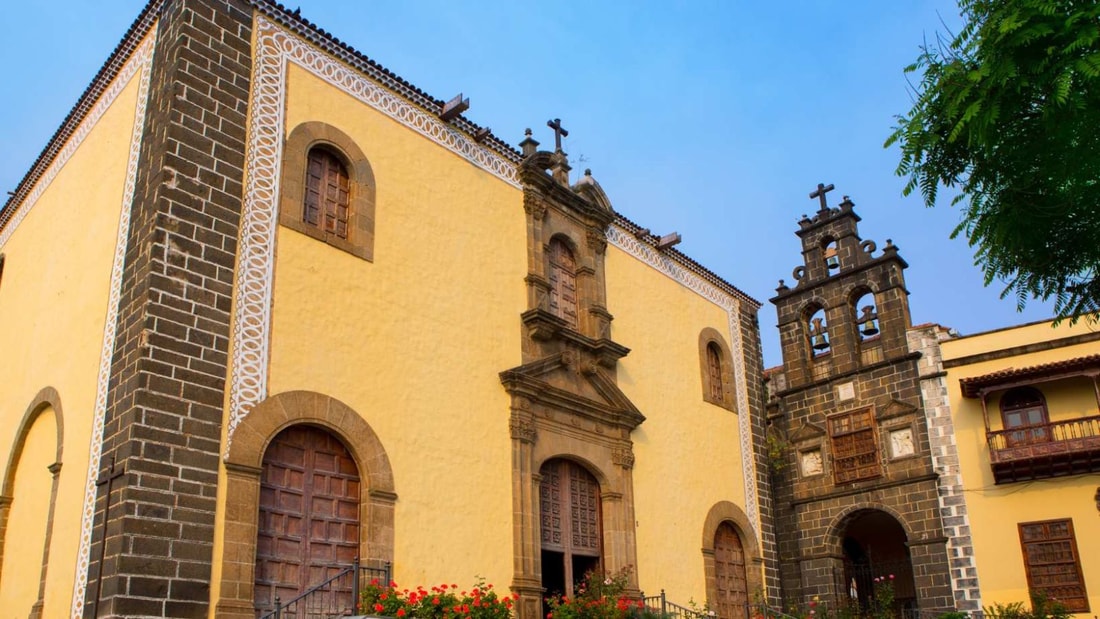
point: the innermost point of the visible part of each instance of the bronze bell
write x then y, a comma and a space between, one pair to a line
832, 261
819, 342
868, 327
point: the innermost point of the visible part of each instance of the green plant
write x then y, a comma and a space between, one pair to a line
955, 614
882, 603
776, 449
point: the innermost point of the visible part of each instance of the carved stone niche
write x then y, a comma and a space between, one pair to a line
575, 218
568, 406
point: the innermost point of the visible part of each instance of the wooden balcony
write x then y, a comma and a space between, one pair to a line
1051, 450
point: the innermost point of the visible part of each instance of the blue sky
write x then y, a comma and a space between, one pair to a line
712, 119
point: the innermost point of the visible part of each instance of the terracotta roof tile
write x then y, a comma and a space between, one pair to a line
971, 387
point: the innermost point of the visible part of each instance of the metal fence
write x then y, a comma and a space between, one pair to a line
338, 596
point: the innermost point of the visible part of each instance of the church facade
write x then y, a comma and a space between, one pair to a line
272, 309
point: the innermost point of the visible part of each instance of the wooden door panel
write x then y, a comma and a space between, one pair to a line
729, 571
309, 513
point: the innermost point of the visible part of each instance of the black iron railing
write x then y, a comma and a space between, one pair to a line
337, 596
660, 604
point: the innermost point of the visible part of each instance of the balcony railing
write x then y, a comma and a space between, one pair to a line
1048, 450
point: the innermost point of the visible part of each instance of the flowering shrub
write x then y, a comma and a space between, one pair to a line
882, 604
597, 598
439, 602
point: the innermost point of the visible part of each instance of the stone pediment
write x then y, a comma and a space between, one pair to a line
807, 432
893, 407
569, 382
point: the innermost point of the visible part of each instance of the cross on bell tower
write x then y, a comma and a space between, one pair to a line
820, 192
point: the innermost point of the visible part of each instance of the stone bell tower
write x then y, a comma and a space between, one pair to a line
855, 487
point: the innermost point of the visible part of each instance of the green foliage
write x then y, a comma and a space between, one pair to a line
1008, 112
776, 449
1042, 607
955, 614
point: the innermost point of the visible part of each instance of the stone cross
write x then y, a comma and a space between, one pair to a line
559, 132
822, 189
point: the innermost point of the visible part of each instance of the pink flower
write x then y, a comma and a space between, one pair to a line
891, 576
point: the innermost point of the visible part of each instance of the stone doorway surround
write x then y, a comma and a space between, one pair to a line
243, 466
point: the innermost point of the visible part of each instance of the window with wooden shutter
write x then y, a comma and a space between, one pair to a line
854, 446
714, 370
327, 195
1052, 564
563, 282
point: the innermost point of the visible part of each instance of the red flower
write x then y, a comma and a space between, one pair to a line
378, 608
435, 601
400, 612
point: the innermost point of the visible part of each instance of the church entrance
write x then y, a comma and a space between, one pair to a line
875, 546
729, 572
309, 514
569, 522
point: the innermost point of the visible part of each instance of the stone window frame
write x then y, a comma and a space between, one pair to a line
1071, 537
47, 397
726, 511
303, 139
244, 465
708, 337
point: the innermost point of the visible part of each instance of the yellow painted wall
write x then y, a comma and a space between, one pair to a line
996, 510
688, 451
19, 577
53, 302
415, 340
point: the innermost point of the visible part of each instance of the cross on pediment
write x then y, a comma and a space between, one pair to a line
820, 192
559, 132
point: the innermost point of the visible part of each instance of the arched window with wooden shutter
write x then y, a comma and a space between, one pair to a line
327, 195
563, 282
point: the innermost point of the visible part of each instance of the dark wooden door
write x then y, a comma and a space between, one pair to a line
309, 513
729, 572
569, 502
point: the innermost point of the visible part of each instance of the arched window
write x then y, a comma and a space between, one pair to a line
1024, 410
818, 332
327, 195
714, 369
328, 189
866, 316
563, 282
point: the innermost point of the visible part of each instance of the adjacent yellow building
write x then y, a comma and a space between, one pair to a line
271, 311
1025, 409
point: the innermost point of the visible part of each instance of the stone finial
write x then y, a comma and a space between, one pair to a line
529, 145
782, 287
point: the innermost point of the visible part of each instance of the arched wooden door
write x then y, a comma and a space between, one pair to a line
569, 502
309, 513
729, 572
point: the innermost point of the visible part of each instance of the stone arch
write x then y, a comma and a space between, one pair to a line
46, 399
587, 464
708, 337
729, 513
302, 139
243, 465
839, 524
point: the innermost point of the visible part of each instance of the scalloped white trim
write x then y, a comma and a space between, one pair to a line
141, 60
